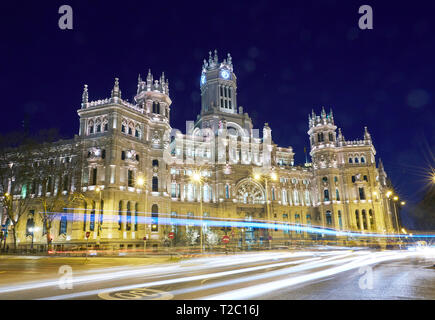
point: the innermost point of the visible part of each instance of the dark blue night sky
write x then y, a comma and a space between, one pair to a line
289, 57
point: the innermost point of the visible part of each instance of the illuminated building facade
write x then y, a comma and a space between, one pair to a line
138, 168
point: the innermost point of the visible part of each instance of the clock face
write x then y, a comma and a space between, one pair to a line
203, 79
225, 74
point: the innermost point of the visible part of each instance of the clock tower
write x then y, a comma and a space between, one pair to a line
218, 85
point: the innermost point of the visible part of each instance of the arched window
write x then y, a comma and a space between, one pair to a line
156, 107
85, 215
328, 218
350, 160
340, 220
128, 226
296, 196
120, 215
307, 197
130, 128
155, 163
326, 195
371, 219
29, 227
364, 218
98, 125
92, 218
363, 160
63, 225
136, 215
154, 218
91, 127
123, 126
105, 125
362, 195
284, 196
358, 224
206, 193
137, 132
190, 192
356, 160
101, 212
308, 218
227, 191
155, 184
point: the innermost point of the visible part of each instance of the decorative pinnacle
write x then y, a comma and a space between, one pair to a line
85, 95
115, 91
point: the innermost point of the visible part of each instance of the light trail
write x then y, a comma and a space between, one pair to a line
238, 223
256, 290
169, 281
150, 271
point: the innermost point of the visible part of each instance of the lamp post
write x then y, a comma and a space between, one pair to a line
265, 177
32, 230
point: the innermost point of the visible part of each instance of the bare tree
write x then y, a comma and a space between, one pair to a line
15, 175
56, 169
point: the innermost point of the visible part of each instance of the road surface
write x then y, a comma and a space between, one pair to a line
311, 274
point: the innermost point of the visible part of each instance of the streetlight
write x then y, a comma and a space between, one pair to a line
197, 178
32, 230
274, 177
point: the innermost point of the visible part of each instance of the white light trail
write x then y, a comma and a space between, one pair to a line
252, 291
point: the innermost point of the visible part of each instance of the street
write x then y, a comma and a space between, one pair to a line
328, 273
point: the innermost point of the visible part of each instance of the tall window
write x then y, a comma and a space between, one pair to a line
155, 184
358, 224
328, 218
331, 137
128, 226
92, 218
350, 160
273, 194
136, 214
85, 214
308, 217
156, 107
130, 178
364, 218
284, 196
296, 196
340, 220
94, 177
190, 192
307, 197
155, 163
63, 224
29, 227
298, 223
173, 190
362, 195
120, 215
101, 211
227, 191
206, 193
326, 195
337, 195
154, 218
372, 222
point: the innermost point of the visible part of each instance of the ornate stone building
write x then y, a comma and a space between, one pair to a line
137, 174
